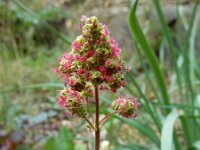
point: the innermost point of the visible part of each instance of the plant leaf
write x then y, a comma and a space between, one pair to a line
167, 130
50, 144
141, 40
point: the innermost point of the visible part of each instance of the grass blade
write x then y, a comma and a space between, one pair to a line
187, 53
187, 130
169, 41
167, 131
143, 129
139, 37
147, 103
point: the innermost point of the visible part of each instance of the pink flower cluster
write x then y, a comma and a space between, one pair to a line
73, 101
126, 107
94, 60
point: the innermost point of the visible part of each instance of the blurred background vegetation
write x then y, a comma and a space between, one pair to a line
165, 76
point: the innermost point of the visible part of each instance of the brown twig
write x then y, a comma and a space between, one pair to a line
91, 125
106, 118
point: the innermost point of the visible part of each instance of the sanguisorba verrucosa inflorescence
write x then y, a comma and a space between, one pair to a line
94, 63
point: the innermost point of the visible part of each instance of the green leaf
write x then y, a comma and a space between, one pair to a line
196, 145
23, 147
141, 40
143, 129
65, 140
167, 130
50, 144
146, 105
166, 33
62, 142
130, 147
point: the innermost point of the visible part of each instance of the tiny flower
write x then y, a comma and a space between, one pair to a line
103, 88
80, 72
102, 69
62, 101
72, 81
108, 62
90, 53
76, 83
128, 69
56, 71
126, 107
80, 26
83, 18
80, 58
110, 80
88, 91
98, 42
76, 46
87, 76
105, 31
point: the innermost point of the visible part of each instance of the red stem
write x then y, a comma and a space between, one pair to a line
97, 132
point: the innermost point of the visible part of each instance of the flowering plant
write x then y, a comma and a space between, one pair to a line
93, 64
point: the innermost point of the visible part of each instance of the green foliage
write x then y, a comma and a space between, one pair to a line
27, 29
167, 130
63, 141
23, 147
130, 147
185, 98
142, 42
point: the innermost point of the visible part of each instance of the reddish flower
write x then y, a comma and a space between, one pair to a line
128, 68
108, 62
90, 53
76, 45
87, 76
98, 42
62, 101
105, 31
126, 107
83, 18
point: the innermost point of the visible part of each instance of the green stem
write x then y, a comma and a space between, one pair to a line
97, 131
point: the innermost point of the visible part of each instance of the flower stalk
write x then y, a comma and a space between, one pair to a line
106, 118
97, 132
89, 109
90, 124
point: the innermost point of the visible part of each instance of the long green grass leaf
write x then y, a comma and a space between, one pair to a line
147, 103
148, 76
144, 45
169, 40
143, 129
167, 131
187, 60
187, 130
